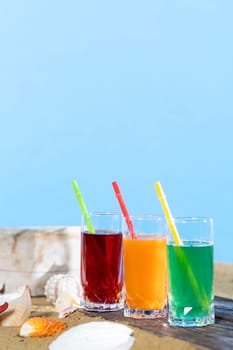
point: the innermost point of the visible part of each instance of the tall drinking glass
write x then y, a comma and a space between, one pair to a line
101, 263
145, 268
190, 270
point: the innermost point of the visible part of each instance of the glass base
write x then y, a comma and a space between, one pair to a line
101, 307
137, 313
198, 321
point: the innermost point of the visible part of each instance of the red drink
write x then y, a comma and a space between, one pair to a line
101, 269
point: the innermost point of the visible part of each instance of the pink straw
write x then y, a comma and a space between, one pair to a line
124, 210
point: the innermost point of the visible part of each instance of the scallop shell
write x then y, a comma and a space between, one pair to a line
19, 307
95, 335
41, 327
63, 291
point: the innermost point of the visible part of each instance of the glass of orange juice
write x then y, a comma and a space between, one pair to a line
145, 267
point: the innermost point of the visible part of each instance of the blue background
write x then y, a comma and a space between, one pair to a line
133, 91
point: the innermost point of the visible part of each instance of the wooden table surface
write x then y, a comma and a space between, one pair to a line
218, 336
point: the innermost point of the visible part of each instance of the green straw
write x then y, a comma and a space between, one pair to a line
83, 206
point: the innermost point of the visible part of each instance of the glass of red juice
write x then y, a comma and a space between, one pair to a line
101, 263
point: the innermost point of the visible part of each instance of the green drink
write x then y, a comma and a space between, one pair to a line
190, 271
190, 300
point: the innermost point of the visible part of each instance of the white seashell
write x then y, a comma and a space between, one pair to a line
19, 307
64, 292
95, 335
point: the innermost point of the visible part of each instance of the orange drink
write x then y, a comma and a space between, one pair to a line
145, 268
144, 258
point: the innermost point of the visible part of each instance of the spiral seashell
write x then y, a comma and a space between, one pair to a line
63, 291
41, 327
61, 284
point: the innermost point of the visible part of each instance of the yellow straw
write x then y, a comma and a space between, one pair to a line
167, 213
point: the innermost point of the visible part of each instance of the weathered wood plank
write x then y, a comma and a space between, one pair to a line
217, 336
32, 255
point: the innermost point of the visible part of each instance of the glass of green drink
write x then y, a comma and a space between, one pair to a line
190, 272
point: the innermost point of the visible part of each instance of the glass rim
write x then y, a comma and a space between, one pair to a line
184, 219
142, 216
102, 213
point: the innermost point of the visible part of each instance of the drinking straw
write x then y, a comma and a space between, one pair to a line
83, 206
123, 209
167, 213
